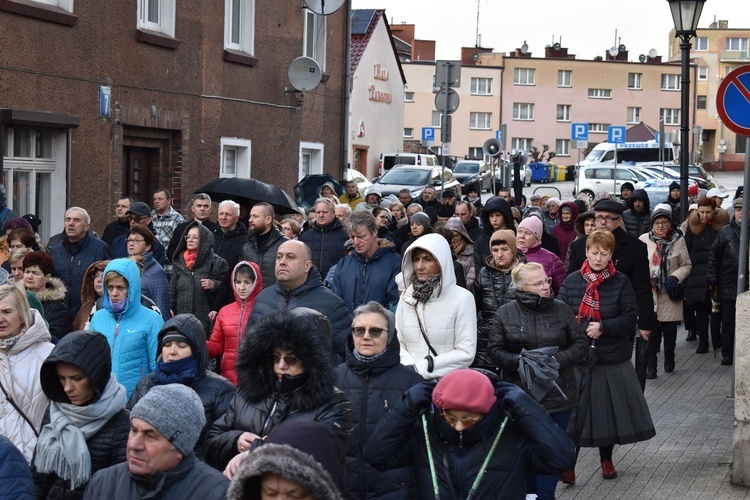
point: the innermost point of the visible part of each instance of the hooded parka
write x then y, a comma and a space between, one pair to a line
482, 243
637, 223
698, 239
52, 297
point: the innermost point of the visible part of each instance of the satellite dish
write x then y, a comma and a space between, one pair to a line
652, 53
524, 48
613, 51
324, 7
642, 57
556, 46
622, 48
304, 73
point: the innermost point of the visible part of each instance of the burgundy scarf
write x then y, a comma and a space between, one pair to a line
589, 308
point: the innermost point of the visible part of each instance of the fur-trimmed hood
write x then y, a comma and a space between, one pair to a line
306, 340
721, 219
53, 290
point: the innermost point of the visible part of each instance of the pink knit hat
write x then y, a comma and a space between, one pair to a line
465, 390
534, 225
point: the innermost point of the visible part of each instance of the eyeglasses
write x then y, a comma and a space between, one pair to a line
662, 223
359, 331
288, 360
135, 240
137, 218
606, 218
541, 284
191, 237
467, 422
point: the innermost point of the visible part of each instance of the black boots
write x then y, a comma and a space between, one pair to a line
691, 336
668, 360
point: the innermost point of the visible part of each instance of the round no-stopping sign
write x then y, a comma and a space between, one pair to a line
733, 100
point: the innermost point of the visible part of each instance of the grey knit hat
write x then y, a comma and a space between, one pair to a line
421, 218
176, 411
661, 210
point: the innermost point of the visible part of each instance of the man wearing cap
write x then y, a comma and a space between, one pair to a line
139, 214
164, 427
446, 209
630, 258
638, 217
626, 191
718, 195
673, 200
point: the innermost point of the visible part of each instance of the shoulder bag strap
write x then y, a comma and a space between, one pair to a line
424, 334
18, 409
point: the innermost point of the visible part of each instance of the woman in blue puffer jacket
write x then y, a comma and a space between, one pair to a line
130, 328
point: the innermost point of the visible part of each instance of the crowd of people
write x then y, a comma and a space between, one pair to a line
375, 347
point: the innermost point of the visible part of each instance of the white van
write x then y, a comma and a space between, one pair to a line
388, 160
635, 152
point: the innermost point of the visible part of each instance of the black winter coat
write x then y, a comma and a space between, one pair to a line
618, 308
474, 229
373, 389
326, 244
52, 298
631, 259
724, 262
698, 239
265, 254
530, 322
215, 391
262, 402
91, 353
482, 243
228, 246
638, 223
531, 442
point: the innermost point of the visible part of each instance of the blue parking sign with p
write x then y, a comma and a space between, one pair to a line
580, 132
616, 134
428, 134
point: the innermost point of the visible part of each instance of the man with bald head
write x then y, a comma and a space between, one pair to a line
298, 284
263, 241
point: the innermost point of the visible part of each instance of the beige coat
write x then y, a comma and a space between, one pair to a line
679, 267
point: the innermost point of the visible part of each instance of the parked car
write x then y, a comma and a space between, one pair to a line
475, 172
389, 160
669, 173
499, 175
415, 178
591, 180
359, 178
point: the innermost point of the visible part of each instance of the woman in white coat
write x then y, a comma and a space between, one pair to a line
435, 319
24, 345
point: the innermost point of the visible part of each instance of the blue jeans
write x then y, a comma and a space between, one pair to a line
544, 486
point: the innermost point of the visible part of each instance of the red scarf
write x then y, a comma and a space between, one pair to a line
589, 308
190, 256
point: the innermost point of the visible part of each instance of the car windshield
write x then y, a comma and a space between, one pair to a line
406, 176
465, 168
595, 154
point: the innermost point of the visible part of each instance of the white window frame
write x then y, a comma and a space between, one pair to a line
562, 147
480, 120
634, 115
476, 152
564, 78
523, 111
524, 76
66, 5
635, 81
598, 128
600, 93
702, 73
317, 24
166, 22
313, 153
563, 113
670, 82
245, 24
409, 132
481, 85
242, 149
701, 43
737, 43
408, 96
671, 116
436, 123
522, 143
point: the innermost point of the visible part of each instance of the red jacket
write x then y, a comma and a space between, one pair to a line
230, 324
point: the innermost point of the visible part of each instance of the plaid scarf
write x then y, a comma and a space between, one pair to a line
589, 308
659, 261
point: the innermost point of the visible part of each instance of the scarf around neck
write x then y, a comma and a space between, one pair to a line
423, 291
659, 260
183, 371
190, 256
589, 308
62, 447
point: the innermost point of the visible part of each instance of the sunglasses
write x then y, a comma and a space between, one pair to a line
288, 360
375, 333
466, 421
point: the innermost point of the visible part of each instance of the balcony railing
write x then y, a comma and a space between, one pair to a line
734, 55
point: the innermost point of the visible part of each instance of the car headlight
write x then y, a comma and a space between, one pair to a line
416, 193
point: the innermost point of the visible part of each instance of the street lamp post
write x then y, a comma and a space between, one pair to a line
685, 14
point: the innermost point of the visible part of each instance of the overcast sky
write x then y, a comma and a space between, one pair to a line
587, 27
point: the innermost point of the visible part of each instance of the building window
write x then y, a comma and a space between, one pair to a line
239, 24
737, 44
703, 73
408, 132
739, 148
524, 76
564, 77
598, 128
157, 15
437, 118
480, 121
235, 158
562, 147
476, 153
523, 111
563, 112
600, 94
670, 82
310, 158
701, 43
670, 116
522, 143
701, 103
634, 115
481, 86
66, 5
408, 96
315, 37
635, 81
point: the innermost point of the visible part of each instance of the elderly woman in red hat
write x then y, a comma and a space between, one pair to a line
478, 435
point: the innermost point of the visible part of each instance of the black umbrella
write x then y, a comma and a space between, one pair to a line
249, 192
640, 360
307, 190
584, 393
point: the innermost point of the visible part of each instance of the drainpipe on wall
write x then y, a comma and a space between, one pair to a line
347, 91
